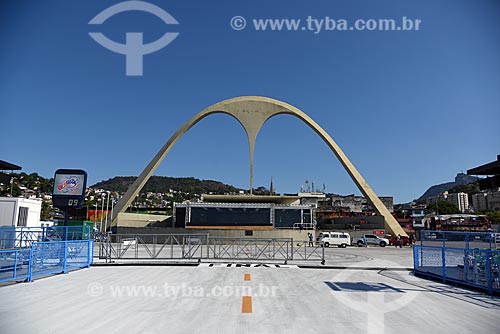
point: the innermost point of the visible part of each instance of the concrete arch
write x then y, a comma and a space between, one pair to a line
252, 112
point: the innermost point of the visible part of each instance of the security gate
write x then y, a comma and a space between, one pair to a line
250, 249
203, 247
153, 246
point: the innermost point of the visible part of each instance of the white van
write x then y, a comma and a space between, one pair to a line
339, 239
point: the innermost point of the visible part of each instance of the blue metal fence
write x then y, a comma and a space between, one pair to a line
475, 263
37, 258
19, 237
14, 264
59, 257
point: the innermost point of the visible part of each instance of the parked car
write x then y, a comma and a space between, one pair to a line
339, 239
405, 240
371, 239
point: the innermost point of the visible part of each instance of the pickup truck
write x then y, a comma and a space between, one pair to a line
370, 239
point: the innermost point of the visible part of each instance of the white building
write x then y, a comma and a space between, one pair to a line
460, 200
17, 211
310, 198
351, 202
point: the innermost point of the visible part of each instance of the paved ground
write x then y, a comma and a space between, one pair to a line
221, 299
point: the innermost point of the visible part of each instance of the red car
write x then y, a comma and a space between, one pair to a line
394, 241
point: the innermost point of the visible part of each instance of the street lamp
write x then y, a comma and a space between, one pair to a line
102, 210
95, 215
112, 206
107, 206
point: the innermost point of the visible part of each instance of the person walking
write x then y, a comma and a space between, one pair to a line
311, 243
399, 241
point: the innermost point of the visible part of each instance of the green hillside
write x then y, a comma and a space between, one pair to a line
163, 184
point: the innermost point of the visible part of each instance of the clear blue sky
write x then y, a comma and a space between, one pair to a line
410, 109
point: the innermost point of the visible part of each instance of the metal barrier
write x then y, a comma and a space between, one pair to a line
250, 249
14, 264
202, 246
302, 251
20, 237
304, 226
455, 239
59, 257
153, 246
31, 255
469, 266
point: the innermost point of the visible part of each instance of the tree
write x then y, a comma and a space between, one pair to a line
443, 208
261, 191
493, 216
471, 188
45, 214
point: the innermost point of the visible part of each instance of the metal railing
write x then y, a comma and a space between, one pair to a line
44, 258
304, 226
55, 257
455, 239
20, 237
14, 264
202, 246
30, 252
250, 249
302, 251
470, 261
152, 246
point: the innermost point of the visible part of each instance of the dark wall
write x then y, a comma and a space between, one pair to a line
359, 223
286, 217
180, 217
203, 216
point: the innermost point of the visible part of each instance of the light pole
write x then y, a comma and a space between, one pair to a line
95, 216
102, 210
107, 206
12, 184
112, 206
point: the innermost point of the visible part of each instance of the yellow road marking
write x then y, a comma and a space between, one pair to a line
246, 305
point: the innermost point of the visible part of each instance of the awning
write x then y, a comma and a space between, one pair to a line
4, 165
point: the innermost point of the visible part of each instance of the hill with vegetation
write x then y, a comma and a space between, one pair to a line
163, 184
21, 182
459, 185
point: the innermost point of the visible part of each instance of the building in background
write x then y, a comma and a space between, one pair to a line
418, 217
489, 197
352, 203
480, 202
460, 200
438, 198
493, 199
310, 198
460, 222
